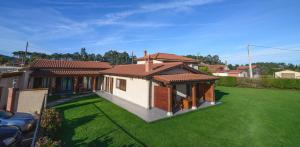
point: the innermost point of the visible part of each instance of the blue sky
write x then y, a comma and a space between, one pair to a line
222, 27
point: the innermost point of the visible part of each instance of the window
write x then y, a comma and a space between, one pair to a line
121, 84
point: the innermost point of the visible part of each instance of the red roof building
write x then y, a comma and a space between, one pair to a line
66, 76
161, 85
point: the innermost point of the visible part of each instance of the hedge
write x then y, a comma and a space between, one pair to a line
227, 81
259, 82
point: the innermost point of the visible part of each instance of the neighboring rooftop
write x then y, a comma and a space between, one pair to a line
138, 70
61, 64
168, 57
245, 67
217, 68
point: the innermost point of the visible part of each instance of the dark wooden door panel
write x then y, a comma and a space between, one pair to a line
161, 97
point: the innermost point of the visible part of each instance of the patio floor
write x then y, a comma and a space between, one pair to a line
148, 115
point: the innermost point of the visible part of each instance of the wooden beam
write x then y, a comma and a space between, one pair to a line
194, 101
75, 85
170, 101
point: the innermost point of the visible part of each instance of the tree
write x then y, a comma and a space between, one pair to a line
83, 54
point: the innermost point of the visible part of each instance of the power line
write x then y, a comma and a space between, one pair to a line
287, 49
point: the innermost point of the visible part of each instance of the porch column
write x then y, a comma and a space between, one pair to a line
194, 101
52, 85
94, 83
170, 101
75, 85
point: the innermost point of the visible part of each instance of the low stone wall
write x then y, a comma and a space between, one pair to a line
30, 100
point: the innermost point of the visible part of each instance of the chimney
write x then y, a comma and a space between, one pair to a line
145, 53
148, 64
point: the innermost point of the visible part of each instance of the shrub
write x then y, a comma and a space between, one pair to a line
247, 82
48, 142
50, 122
227, 81
281, 83
259, 82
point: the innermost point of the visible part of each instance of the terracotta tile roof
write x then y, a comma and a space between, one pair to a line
57, 72
183, 77
168, 57
216, 68
138, 70
245, 67
44, 63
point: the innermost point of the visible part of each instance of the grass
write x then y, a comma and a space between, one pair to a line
246, 117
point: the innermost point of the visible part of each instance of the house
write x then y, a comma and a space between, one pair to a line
165, 85
218, 70
166, 58
237, 73
5, 69
66, 76
15, 79
255, 70
288, 74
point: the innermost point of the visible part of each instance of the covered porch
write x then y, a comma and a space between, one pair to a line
182, 92
61, 82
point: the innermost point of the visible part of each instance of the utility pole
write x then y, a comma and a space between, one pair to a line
250, 64
25, 54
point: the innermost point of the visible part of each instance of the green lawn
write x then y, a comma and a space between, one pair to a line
246, 117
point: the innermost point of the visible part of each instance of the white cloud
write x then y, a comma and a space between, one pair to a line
113, 18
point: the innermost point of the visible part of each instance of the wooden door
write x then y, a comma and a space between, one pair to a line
161, 97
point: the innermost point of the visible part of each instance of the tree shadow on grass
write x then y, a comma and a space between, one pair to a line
73, 104
121, 128
67, 132
219, 94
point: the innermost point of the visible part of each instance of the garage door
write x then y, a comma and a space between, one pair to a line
161, 97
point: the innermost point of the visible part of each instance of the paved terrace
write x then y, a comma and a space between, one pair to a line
148, 115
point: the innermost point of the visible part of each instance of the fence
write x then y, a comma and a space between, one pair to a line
37, 128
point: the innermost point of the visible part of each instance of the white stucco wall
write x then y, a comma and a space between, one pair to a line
140, 62
224, 74
279, 74
195, 66
137, 90
154, 61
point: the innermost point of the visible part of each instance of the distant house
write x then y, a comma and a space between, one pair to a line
162, 85
237, 73
218, 70
166, 58
287, 74
7, 69
255, 70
